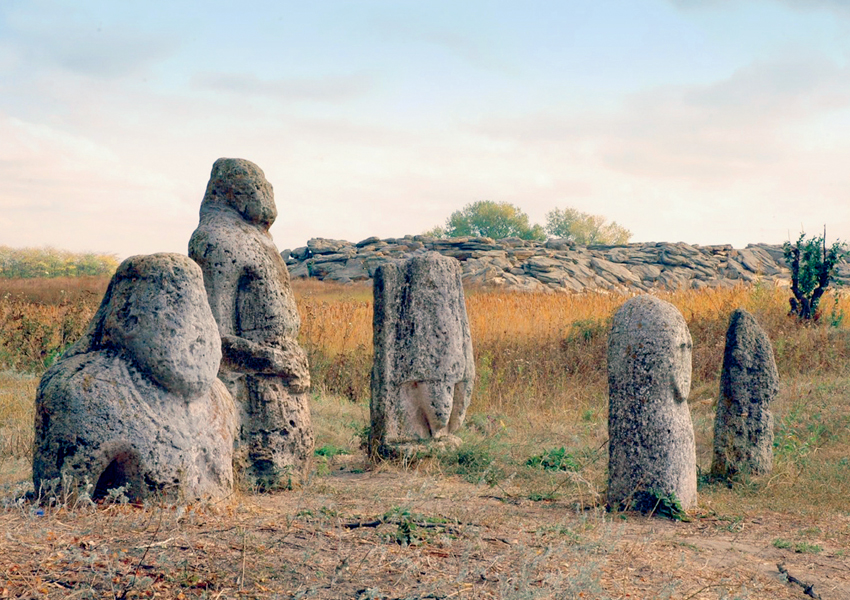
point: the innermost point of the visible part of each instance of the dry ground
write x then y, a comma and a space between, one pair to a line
404, 532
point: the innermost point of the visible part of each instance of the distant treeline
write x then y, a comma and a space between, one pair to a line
28, 263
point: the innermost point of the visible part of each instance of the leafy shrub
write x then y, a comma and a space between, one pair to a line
812, 267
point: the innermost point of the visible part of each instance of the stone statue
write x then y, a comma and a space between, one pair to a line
250, 296
651, 437
743, 426
424, 370
135, 403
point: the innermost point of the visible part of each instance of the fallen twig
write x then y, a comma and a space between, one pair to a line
358, 524
808, 588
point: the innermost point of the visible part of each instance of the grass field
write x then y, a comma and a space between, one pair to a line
530, 474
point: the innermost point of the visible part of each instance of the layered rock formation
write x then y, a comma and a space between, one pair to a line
556, 264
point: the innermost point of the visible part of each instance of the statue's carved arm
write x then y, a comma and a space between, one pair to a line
288, 362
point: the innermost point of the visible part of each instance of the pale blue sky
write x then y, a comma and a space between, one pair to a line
684, 120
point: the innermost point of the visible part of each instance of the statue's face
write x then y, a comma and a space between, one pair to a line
681, 351
166, 327
255, 202
650, 345
242, 185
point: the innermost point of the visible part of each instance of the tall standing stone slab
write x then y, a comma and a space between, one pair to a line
251, 298
743, 426
135, 403
651, 437
424, 370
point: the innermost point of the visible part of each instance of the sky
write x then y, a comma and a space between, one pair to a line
702, 121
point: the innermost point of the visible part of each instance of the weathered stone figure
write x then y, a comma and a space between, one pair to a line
135, 402
249, 292
424, 370
743, 426
651, 437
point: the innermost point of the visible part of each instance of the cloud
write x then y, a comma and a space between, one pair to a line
838, 5
51, 37
326, 89
761, 148
73, 192
707, 133
105, 54
731, 128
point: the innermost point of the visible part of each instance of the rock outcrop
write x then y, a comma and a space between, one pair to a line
424, 370
554, 265
251, 299
135, 403
749, 382
651, 437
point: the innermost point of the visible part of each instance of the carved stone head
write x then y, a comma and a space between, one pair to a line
241, 185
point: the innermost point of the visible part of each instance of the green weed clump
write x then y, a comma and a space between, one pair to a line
556, 459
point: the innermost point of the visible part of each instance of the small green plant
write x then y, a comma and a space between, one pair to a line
658, 502
556, 459
812, 267
543, 496
586, 331
807, 548
330, 451
475, 464
781, 543
411, 528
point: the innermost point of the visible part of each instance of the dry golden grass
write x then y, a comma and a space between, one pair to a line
58, 290
480, 522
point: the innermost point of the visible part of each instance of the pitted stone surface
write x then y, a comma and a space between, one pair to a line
424, 370
248, 287
651, 437
135, 402
749, 381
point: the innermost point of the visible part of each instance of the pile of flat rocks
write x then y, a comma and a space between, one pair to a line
554, 265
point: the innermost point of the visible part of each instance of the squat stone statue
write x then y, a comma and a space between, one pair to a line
423, 370
749, 381
135, 403
651, 437
251, 299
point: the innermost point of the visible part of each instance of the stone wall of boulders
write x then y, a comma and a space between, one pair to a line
556, 264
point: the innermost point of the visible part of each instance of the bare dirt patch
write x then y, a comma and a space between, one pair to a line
395, 533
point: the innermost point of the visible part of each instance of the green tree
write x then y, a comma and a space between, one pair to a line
436, 231
492, 219
812, 267
50, 262
585, 229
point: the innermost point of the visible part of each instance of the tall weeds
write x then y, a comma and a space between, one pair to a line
533, 352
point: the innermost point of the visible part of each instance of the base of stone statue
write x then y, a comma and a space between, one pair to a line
417, 450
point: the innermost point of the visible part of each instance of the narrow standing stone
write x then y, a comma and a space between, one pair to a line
743, 426
651, 437
424, 370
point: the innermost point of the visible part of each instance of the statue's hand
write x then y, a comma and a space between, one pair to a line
288, 362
